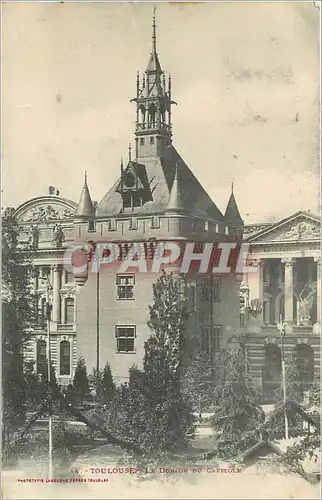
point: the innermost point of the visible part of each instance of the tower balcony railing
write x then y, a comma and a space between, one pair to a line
153, 128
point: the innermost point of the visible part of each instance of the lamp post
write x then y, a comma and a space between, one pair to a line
281, 327
50, 407
95, 257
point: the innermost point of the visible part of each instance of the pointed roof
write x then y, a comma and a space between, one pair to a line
160, 173
85, 206
232, 215
154, 63
175, 199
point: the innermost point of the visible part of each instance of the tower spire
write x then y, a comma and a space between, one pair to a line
154, 37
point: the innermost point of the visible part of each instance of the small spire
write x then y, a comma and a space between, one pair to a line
121, 163
85, 206
175, 203
232, 215
154, 38
130, 152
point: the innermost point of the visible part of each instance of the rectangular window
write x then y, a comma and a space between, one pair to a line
155, 222
216, 338
207, 293
133, 223
91, 225
226, 230
127, 201
211, 343
141, 141
137, 201
151, 140
64, 365
125, 286
69, 311
206, 225
125, 336
41, 356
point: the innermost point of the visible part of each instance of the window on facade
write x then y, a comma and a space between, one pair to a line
155, 221
142, 141
151, 140
207, 293
41, 356
133, 223
91, 225
125, 336
69, 311
64, 358
125, 286
127, 201
226, 230
217, 228
137, 201
211, 343
206, 225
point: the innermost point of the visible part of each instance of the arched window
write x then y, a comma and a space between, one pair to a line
41, 356
64, 365
305, 364
152, 116
69, 311
273, 363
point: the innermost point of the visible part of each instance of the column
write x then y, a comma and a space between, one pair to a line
256, 285
318, 289
288, 289
56, 294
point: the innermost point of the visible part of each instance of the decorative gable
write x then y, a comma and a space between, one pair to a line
299, 227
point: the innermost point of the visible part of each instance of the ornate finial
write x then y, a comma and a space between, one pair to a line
154, 38
130, 152
85, 175
232, 188
121, 162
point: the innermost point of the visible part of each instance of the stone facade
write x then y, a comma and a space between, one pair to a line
287, 288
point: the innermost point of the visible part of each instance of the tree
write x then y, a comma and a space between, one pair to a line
80, 381
294, 391
163, 365
103, 384
17, 319
315, 394
198, 382
237, 412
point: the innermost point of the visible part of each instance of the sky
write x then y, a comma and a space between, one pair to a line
245, 77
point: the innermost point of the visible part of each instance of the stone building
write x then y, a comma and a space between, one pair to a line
287, 288
156, 198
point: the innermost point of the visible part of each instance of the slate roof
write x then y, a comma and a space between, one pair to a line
232, 215
160, 173
85, 206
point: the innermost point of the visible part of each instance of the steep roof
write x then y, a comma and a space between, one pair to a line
232, 215
85, 206
160, 172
